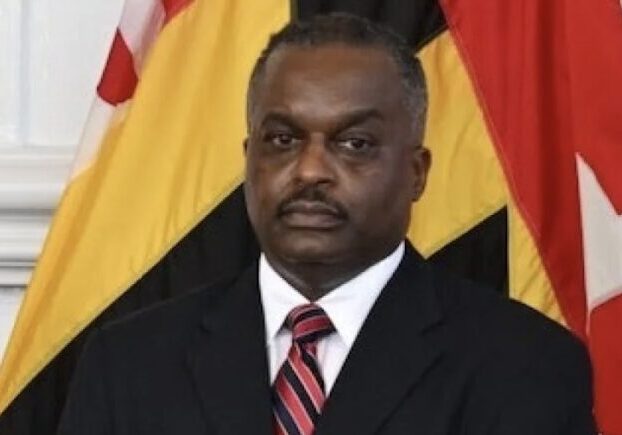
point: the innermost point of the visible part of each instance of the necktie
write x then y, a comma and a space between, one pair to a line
298, 391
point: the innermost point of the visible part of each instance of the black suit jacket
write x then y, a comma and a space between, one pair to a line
436, 355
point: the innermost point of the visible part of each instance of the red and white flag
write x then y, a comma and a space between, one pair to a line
549, 79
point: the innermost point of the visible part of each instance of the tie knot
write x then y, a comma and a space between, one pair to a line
308, 323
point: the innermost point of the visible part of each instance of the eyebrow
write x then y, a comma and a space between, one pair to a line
347, 120
280, 118
359, 116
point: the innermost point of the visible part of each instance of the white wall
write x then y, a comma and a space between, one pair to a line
51, 55
9, 301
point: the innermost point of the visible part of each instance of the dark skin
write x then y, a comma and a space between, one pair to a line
333, 163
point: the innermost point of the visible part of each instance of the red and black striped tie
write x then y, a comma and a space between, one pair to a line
298, 391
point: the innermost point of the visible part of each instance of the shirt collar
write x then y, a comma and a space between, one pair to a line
347, 305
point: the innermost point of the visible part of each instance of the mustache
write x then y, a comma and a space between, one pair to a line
310, 198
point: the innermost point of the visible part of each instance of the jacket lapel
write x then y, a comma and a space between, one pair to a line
228, 362
391, 353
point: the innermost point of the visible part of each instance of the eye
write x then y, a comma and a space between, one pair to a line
280, 139
355, 144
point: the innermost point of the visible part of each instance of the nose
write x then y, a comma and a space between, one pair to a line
314, 163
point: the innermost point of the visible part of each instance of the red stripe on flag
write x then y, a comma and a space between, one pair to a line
173, 7
596, 74
549, 83
605, 327
119, 78
518, 68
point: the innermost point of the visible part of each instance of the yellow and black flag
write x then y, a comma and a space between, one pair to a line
154, 207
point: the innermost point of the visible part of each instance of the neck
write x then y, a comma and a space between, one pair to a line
313, 280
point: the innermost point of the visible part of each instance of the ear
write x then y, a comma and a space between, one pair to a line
421, 161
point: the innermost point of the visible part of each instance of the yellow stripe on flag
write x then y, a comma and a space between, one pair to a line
466, 184
162, 169
529, 282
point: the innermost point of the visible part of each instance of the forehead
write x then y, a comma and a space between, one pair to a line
333, 77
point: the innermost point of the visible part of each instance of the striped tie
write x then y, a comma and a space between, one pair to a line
298, 391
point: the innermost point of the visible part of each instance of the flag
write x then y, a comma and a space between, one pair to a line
522, 195
548, 79
163, 149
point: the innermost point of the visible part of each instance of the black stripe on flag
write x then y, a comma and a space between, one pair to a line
417, 21
481, 254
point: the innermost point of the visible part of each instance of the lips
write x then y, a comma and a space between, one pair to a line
312, 215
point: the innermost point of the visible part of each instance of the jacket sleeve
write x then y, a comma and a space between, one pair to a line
552, 396
88, 406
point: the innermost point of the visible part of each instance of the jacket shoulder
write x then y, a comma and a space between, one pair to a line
165, 324
498, 320
506, 340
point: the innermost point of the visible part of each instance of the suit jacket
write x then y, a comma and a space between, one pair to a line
436, 355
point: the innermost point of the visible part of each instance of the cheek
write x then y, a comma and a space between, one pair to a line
384, 200
264, 186
253, 190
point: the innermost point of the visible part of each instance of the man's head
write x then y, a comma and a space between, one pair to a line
336, 110
349, 30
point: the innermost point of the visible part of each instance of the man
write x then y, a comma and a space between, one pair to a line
341, 328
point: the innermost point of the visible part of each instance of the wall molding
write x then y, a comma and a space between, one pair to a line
32, 179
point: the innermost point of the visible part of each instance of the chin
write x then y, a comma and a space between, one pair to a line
309, 251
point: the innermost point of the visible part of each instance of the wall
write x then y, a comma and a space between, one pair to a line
51, 55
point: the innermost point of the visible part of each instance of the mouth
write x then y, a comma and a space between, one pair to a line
311, 215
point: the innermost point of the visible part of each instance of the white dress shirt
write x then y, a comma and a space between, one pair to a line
347, 307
